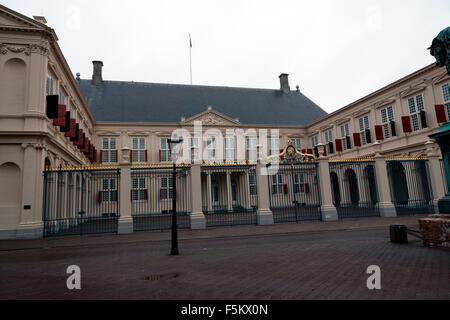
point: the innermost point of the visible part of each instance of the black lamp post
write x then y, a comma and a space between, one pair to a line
174, 153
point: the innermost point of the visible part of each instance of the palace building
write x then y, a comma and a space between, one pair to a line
81, 156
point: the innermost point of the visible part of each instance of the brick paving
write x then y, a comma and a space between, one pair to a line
290, 261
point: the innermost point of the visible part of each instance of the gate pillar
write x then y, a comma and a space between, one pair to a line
327, 208
198, 220
125, 220
264, 214
387, 208
436, 179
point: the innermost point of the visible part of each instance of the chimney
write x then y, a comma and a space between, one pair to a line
97, 76
284, 83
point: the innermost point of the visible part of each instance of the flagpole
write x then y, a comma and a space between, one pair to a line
190, 55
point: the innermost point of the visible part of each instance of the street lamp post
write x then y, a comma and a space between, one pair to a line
174, 153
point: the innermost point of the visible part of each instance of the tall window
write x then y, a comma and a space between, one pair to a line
138, 151
314, 141
252, 184
415, 105
251, 149
363, 125
211, 148
387, 115
446, 98
299, 183
277, 184
328, 139
138, 191
345, 132
274, 145
109, 190
165, 153
229, 148
297, 143
62, 97
49, 85
166, 190
109, 150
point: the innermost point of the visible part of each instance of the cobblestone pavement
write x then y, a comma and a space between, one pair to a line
286, 262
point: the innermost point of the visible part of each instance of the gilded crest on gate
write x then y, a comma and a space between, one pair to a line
290, 155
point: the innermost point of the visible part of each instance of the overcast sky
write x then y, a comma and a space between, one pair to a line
337, 51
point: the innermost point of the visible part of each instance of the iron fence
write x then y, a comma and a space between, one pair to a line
410, 186
229, 195
151, 198
441, 161
294, 192
80, 202
354, 189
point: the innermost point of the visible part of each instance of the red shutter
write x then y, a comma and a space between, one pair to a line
406, 122
324, 151
71, 133
440, 113
379, 132
131, 155
285, 189
146, 156
306, 187
338, 145
99, 198
79, 142
146, 194
91, 153
309, 151
86, 146
282, 157
61, 120
303, 151
357, 139
95, 156
131, 195
117, 157
159, 155
101, 156
160, 194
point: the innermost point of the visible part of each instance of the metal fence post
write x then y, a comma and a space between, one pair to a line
387, 208
198, 220
328, 210
125, 220
264, 214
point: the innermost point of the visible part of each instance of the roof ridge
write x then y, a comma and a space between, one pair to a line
188, 85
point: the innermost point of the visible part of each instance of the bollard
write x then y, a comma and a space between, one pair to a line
398, 233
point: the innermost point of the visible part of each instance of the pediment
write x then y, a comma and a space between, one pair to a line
211, 118
441, 78
412, 90
10, 18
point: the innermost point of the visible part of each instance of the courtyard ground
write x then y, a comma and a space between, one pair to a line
309, 260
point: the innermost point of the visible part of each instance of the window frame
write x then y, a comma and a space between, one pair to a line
386, 120
106, 153
345, 132
365, 121
139, 152
414, 111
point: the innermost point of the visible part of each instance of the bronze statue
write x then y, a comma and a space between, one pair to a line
440, 49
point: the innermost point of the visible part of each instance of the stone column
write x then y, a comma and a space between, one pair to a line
198, 220
387, 208
436, 179
31, 225
264, 214
125, 220
229, 195
327, 208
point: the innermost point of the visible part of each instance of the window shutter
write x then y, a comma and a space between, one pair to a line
338, 145
303, 151
99, 197
117, 156
146, 194
101, 156
160, 194
131, 155
440, 113
379, 132
285, 187
81, 144
368, 136
324, 152
331, 146
357, 139
306, 187
393, 130
282, 157
76, 135
66, 126
316, 151
347, 140
309, 151
52, 106
61, 119
423, 119
80, 140
146, 155
159, 155
71, 132
95, 155
406, 123
131, 195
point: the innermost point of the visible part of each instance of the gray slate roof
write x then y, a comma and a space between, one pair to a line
119, 101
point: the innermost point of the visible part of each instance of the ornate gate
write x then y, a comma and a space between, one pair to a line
294, 187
